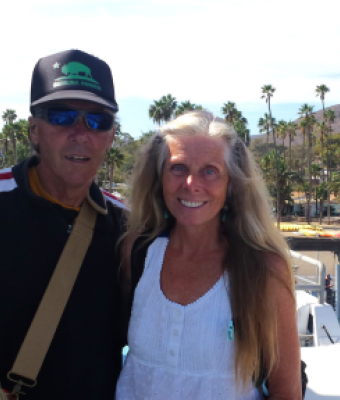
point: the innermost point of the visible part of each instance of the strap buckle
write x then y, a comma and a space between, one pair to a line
19, 382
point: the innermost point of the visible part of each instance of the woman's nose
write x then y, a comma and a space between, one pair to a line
193, 181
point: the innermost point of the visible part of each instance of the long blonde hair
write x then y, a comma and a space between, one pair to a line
249, 228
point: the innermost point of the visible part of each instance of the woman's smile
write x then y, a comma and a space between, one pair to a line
192, 204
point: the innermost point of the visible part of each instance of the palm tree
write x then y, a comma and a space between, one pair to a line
267, 93
321, 90
264, 125
302, 128
229, 110
316, 172
107, 170
312, 122
306, 111
335, 185
11, 132
22, 137
114, 158
186, 106
169, 105
281, 131
329, 117
156, 112
2, 139
8, 116
321, 193
321, 128
242, 131
286, 178
240, 126
240, 118
291, 131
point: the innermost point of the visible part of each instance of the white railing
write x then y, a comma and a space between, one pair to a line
318, 286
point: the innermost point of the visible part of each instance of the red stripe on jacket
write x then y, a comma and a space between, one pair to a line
112, 196
6, 175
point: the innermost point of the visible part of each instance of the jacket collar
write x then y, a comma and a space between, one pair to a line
20, 172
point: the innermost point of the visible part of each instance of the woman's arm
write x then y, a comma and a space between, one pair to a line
285, 381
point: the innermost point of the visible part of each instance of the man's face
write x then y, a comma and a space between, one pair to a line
71, 155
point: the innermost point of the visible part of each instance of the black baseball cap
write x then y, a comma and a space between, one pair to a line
72, 74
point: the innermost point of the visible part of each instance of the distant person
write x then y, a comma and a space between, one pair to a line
215, 304
72, 126
329, 290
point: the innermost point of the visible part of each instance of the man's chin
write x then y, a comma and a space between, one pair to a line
77, 180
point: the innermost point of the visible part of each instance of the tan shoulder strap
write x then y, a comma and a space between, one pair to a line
45, 322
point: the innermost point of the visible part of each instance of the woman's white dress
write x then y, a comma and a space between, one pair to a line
178, 352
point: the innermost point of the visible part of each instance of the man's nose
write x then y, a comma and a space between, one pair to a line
80, 130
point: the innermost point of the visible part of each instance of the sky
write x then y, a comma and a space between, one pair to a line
208, 52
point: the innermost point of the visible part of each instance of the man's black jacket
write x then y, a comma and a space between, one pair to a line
84, 359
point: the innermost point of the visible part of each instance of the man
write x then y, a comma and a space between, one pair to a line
72, 126
329, 290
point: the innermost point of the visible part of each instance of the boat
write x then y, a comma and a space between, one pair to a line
319, 334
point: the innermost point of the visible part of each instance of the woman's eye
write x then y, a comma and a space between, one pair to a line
210, 171
178, 169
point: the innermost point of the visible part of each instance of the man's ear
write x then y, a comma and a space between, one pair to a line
33, 130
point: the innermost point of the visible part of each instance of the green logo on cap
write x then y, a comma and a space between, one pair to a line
75, 74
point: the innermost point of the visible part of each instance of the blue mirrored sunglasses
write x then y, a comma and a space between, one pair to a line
64, 116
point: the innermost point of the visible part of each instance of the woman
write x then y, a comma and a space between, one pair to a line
215, 305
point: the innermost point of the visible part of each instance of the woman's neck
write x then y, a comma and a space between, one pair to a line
197, 239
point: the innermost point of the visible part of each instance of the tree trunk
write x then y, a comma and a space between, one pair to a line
329, 179
309, 171
303, 154
107, 167
321, 209
328, 170
284, 150
290, 153
277, 171
14, 145
112, 170
110, 176
323, 182
316, 200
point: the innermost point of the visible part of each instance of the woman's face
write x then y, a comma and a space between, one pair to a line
195, 180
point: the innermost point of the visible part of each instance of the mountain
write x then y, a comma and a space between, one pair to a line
299, 138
